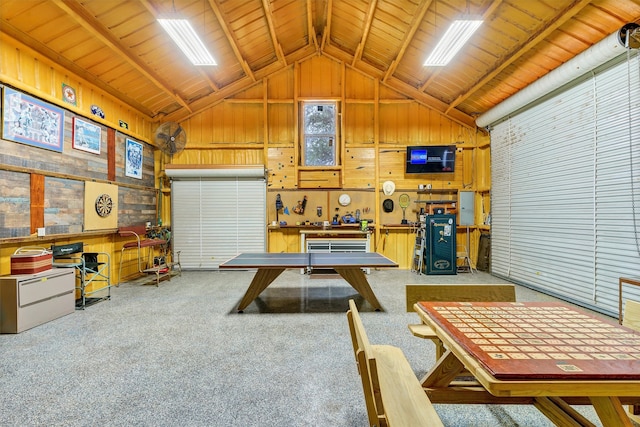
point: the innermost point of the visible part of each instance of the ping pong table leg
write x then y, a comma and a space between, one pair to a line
262, 279
356, 278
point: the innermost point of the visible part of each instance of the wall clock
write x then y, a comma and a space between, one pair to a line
104, 204
344, 199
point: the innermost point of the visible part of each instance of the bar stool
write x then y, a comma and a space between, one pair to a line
139, 232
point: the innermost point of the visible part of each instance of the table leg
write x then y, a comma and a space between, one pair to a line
262, 279
446, 369
560, 412
356, 278
610, 411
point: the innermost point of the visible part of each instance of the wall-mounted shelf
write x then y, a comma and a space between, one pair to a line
435, 202
438, 191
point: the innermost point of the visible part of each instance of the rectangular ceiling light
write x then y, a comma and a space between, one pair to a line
456, 36
188, 41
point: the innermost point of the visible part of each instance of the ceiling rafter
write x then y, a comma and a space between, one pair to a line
266, 6
485, 16
213, 85
56, 58
231, 39
563, 17
413, 93
548, 34
313, 40
365, 33
417, 21
326, 34
80, 15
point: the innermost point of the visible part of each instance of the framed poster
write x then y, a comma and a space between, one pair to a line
31, 121
86, 136
133, 159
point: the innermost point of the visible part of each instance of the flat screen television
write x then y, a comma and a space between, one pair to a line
431, 159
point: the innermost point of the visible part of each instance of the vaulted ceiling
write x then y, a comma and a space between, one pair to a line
118, 45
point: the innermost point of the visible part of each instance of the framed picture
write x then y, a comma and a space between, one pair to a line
31, 121
86, 136
133, 159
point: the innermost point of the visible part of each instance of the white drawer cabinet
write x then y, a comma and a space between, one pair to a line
29, 300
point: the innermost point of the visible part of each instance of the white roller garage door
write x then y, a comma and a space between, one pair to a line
214, 218
566, 189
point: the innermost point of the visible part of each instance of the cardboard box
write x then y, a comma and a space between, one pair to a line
30, 260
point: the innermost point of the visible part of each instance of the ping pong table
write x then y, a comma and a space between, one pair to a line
271, 265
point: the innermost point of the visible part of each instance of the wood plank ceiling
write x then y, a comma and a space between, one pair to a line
119, 46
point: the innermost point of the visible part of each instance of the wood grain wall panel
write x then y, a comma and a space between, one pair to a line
37, 201
284, 240
64, 212
320, 77
280, 85
389, 93
281, 125
359, 123
198, 129
359, 86
466, 158
29, 71
359, 168
481, 163
220, 156
282, 170
238, 123
111, 154
16, 200
397, 245
308, 179
136, 206
251, 93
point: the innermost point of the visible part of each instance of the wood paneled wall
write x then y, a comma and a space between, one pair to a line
26, 70
42, 188
260, 126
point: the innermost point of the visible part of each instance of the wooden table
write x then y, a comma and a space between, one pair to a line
546, 354
271, 265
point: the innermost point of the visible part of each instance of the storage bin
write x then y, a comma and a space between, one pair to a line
30, 260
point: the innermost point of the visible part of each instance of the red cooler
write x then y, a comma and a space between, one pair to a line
30, 260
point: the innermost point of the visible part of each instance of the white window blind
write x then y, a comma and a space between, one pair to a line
214, 219
562, 208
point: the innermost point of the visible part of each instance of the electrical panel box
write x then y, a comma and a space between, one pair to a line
440, 248
466, 202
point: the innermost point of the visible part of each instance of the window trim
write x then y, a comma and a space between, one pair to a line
302, 139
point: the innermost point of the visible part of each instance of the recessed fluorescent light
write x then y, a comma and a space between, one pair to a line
188, 41
456, 36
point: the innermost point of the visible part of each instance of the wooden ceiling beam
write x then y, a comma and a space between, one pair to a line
326, 34
485, 16
231, 39
266, 7
553, 25
89, 23
417, 21
71, 66
152, 10
365, 33
311, 30
413, 94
